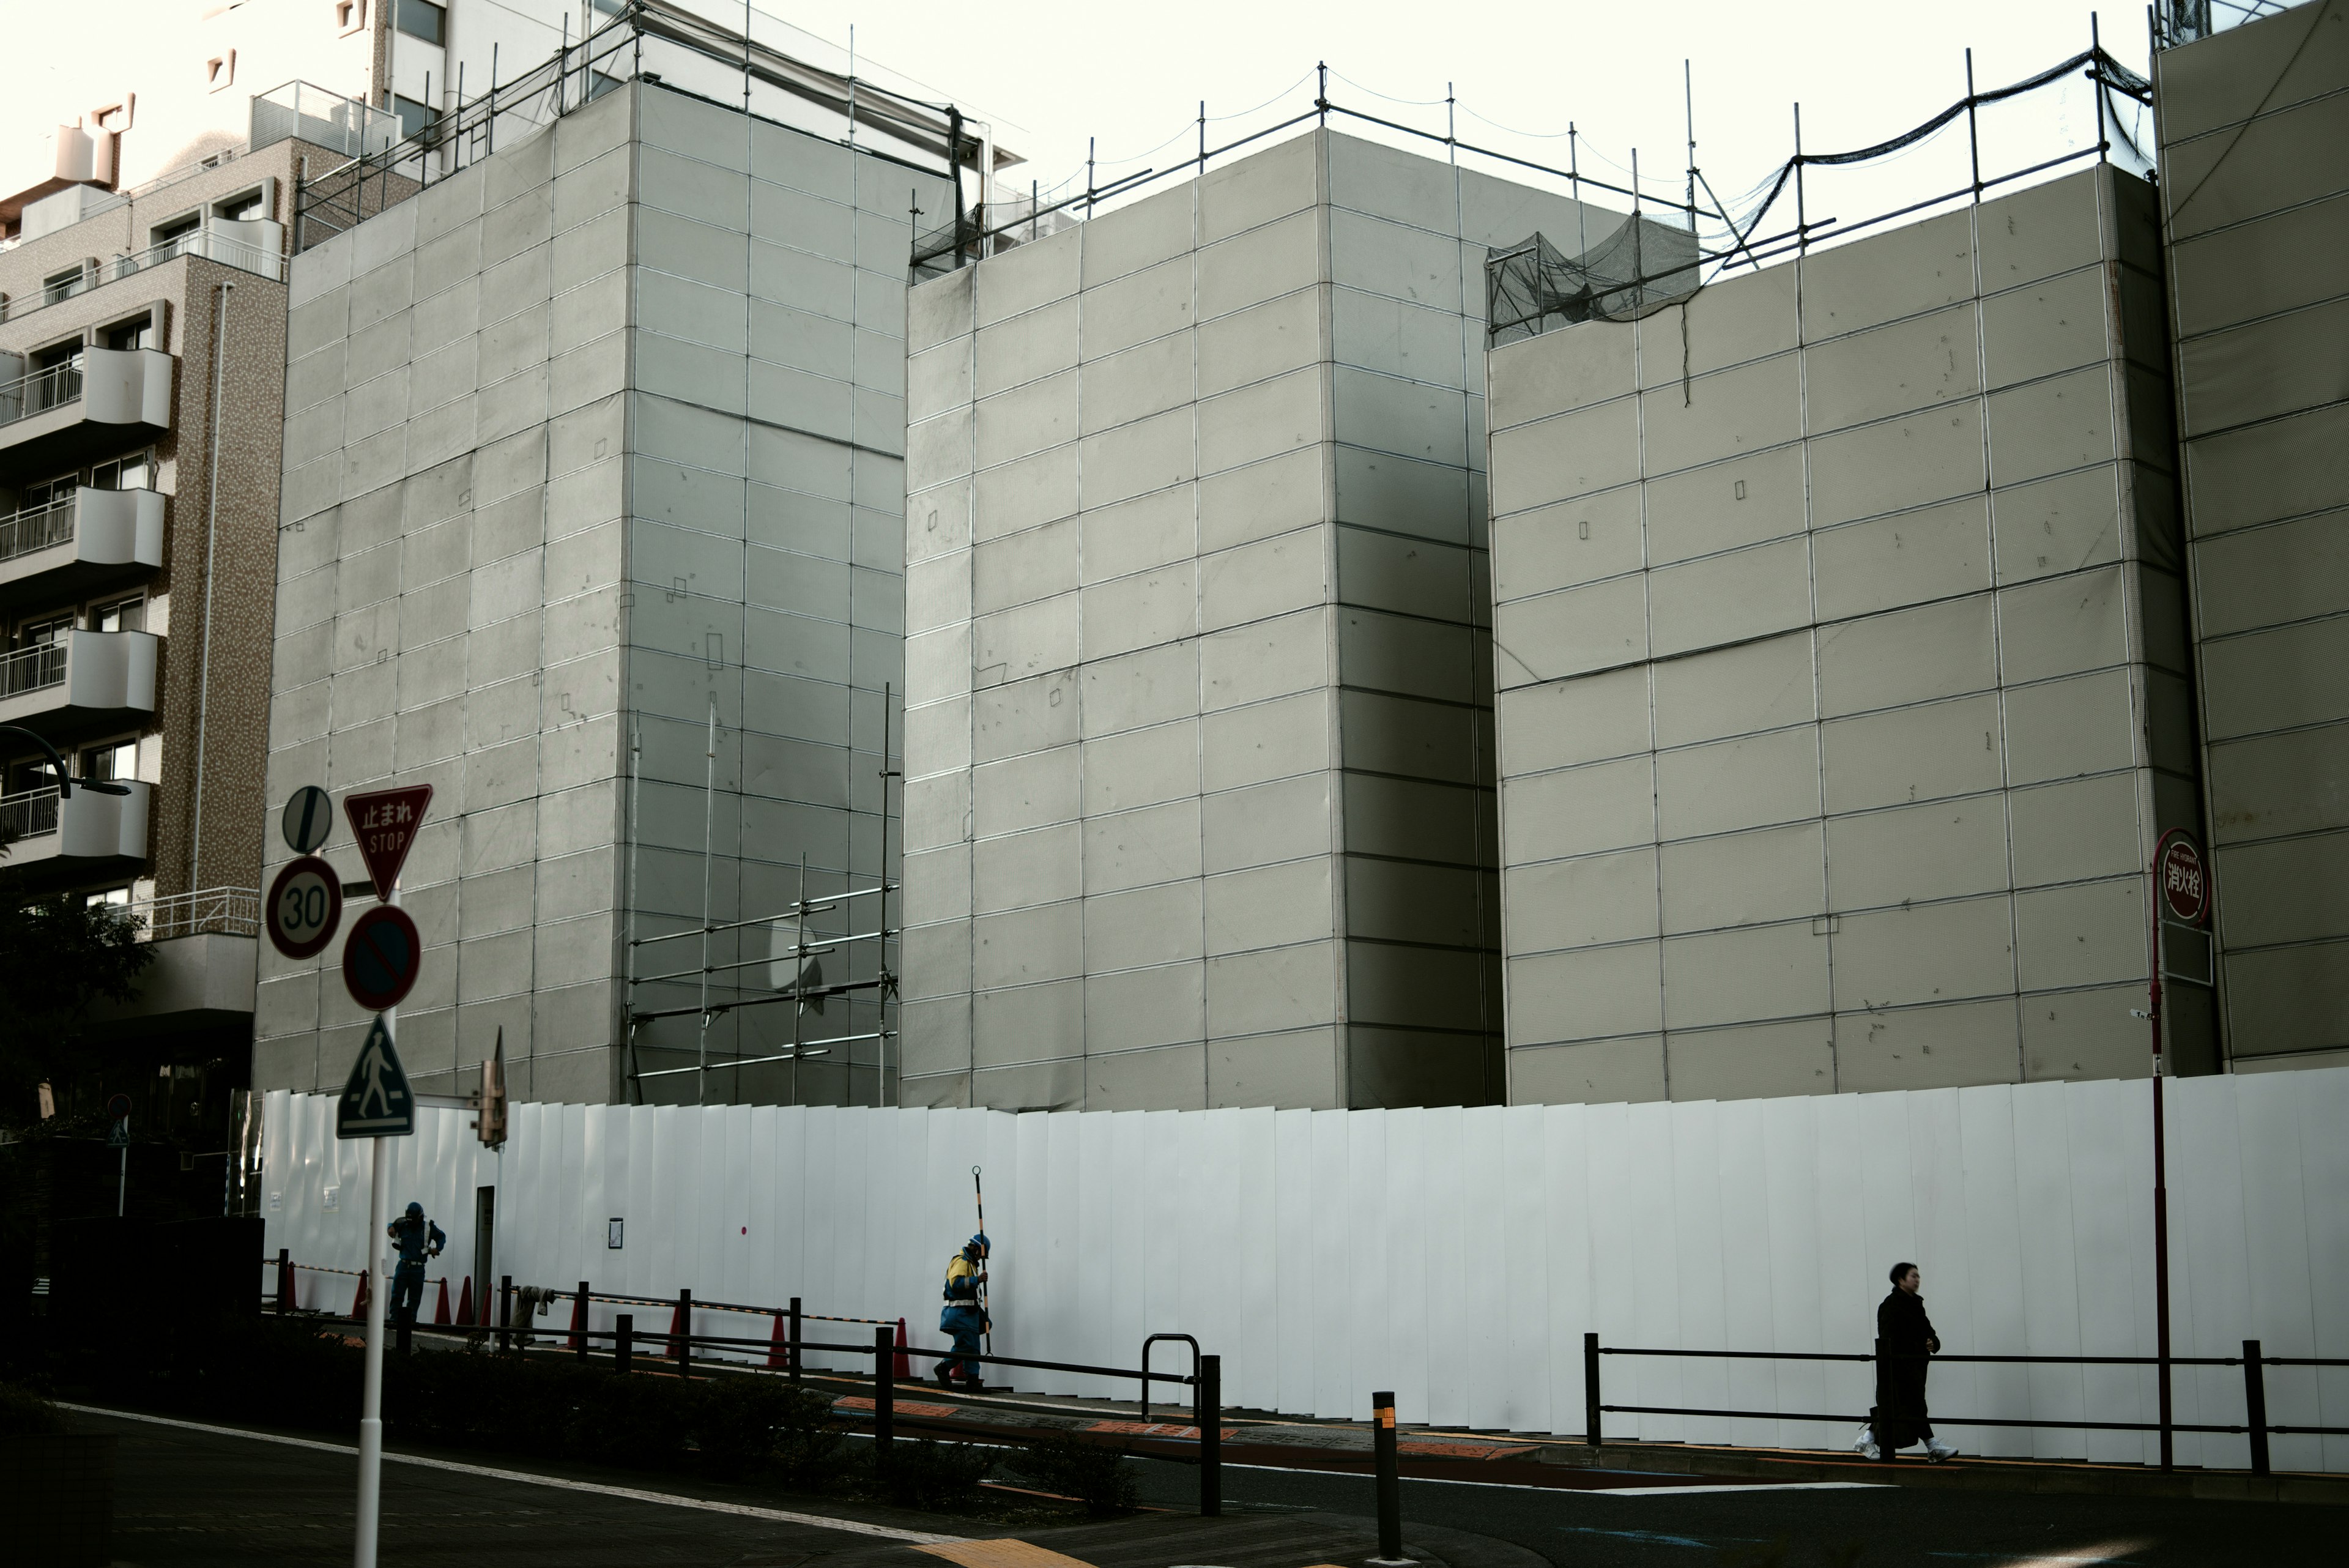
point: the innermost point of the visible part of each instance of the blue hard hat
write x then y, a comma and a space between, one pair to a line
416, 1210
979, 1242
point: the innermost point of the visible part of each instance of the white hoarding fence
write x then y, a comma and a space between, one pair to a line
1458, 1256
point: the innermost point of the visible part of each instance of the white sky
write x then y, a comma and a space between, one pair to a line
1132, 76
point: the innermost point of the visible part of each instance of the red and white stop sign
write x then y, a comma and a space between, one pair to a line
2178, 872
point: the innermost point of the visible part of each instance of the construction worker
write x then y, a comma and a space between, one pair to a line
962, 1316
416, 1239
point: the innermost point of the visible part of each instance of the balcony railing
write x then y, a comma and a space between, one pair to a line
30, 813
37, 528
227, 911
32, 668
41, 390
211, 243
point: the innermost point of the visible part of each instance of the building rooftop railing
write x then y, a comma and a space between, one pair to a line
33, 528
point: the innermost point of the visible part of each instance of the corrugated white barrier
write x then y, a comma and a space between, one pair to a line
1457, 1256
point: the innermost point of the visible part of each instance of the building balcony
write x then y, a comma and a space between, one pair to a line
86, 681
85, 834
202, 972
100, 401
84, 543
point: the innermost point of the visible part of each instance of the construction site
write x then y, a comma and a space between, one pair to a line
1461, 792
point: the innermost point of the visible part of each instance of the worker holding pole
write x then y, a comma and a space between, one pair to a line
416, 1239
964, 1317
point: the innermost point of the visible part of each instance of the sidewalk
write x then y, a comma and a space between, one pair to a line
1437, 1454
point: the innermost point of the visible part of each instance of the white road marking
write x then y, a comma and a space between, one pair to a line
1570, 1491
780, 1516
1761, 1486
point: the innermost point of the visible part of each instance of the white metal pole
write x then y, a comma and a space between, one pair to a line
371, 1401
370, 1509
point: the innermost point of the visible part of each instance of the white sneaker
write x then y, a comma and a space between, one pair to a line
1865, 1442
1937, 1450
1871, 1451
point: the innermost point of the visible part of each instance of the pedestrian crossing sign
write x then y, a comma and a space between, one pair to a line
376, 1100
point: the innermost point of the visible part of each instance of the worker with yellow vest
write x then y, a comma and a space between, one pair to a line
963, 1317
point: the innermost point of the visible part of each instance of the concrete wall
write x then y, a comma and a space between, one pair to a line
1843, 687
1458, 1256
590, 436
2255, 174
1199, 793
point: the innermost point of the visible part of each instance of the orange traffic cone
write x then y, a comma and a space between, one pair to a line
778, 1350
465, 1302
441, 1312
904, 1362
360, 1305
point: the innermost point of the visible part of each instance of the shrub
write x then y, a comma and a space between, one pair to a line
25, 1414
926, 1474
1093, 1473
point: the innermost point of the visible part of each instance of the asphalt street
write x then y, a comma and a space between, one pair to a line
1847, 1528
195, 1499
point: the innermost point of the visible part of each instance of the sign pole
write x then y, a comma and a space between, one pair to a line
370, 1512
371, 1401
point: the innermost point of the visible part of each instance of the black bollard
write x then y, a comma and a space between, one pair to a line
795, 1339
1208, 1411
884, 1354
1382, 1448
623, 1347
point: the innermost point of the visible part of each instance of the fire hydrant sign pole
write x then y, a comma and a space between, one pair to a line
376, 1103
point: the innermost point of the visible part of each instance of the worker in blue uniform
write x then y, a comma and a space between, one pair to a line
963, 1317
415, 1238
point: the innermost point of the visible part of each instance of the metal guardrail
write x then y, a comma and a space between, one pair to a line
229, 912
40, 390
2255, 1425
32, 668
206, 243
43, 527
789, 1355
30, 813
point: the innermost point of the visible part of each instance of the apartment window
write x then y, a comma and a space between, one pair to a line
168, 240
110, 898
60, 286
44, 631
124, 614
219, 71
42, 491
350, 16
415, 118
135, 471
137, 334
241, 209
610, 8
28, 776
422, 19
113, 760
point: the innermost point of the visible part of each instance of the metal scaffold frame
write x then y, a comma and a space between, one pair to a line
808, 989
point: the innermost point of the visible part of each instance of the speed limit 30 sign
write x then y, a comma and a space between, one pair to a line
304, 908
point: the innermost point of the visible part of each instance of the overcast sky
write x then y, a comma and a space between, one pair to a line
1132, 76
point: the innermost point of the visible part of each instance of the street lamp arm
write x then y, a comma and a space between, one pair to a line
58, 765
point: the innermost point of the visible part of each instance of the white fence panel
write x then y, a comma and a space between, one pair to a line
1456, 1256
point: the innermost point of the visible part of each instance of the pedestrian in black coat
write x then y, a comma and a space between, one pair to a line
1904, 1340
